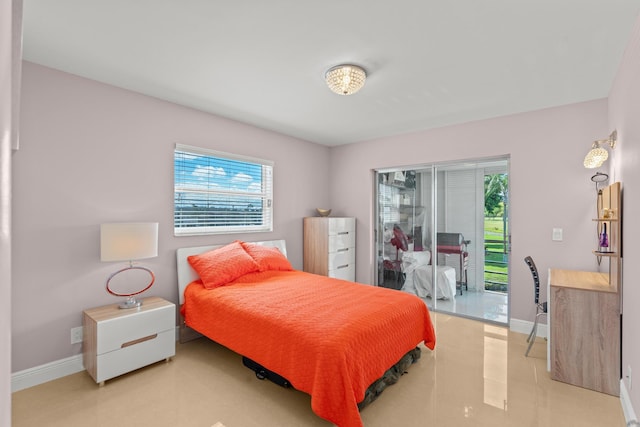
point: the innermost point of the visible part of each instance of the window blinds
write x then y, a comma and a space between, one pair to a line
217, 192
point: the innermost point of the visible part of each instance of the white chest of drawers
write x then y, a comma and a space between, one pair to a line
330, 246
117, 341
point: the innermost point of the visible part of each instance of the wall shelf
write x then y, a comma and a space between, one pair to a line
601, 253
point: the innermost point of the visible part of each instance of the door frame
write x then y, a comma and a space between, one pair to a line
436, 216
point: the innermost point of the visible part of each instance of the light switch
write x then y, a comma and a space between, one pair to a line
557, 235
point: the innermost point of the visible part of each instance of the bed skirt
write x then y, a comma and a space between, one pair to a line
390, 377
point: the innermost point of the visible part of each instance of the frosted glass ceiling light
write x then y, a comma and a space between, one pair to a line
345, 79
598, 155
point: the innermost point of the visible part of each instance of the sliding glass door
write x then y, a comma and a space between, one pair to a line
442, 234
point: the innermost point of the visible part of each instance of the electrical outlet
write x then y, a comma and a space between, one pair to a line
76, 335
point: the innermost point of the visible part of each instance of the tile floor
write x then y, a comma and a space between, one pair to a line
477, 376
489, 306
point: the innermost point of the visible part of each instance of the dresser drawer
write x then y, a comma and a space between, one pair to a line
330, 246
344, 272
341, 258
126, 359
340, 225
346, 239
113, 333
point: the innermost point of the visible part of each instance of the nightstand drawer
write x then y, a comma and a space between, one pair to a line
134, 356
121, 340
113, 333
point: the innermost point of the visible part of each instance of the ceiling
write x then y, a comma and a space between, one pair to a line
429, 63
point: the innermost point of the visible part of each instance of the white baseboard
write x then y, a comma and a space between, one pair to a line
627, 408
47, 372
71, 365
525, 326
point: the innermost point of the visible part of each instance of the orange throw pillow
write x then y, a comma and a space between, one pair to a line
268, 258
220, 266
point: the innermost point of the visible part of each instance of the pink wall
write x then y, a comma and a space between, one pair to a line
93, 153
549, 185
624, 115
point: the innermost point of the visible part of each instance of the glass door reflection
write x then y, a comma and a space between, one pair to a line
431, 236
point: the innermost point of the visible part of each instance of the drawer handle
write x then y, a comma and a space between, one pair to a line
342, 233
138, 341
343, 250
342, 266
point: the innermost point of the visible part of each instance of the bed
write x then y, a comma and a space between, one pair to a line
330, 338
419, 276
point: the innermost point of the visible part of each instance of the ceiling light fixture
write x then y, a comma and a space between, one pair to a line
598, 155
345, 79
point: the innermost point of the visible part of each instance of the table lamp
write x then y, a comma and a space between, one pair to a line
129, 241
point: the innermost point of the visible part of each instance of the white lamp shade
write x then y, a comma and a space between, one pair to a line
128, 241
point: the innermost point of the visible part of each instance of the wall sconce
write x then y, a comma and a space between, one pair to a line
598, 155
128, 242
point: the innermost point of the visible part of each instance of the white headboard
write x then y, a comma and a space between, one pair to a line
186, 274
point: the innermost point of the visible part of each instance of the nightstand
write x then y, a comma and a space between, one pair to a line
117, 341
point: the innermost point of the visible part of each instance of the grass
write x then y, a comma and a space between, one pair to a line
495, 268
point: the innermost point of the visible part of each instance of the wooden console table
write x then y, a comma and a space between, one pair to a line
585, 330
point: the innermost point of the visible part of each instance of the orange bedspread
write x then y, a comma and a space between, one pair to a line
330, 338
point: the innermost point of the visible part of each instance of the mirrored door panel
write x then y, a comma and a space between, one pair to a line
442, 234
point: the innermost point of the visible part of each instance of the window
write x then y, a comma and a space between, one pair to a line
217, 192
